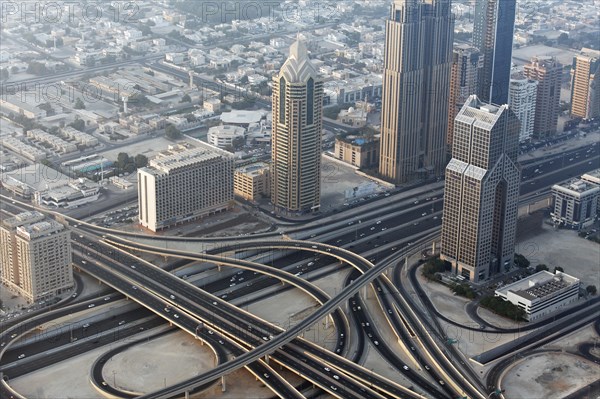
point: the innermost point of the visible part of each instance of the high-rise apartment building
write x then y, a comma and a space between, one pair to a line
547, 71
296, 134
482, 191
493, 28
35, 256
585, 84
184, 183
416, 84
522, 97
466, 64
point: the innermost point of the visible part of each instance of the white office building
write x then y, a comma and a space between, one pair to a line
542, 293
224, 136
184, 183
522, 96
575, 203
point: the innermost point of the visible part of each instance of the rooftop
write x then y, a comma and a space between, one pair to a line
181, 156
23, 218
593, 176
243, 117
576, 186
539, 285
39, 229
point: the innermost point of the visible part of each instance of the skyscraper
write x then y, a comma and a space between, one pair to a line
296, 134
482, 191
522, 98
585, 84
548, 72
467, 61
493, 28
416, 83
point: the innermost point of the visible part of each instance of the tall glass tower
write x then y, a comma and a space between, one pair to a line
493, 29
416, 85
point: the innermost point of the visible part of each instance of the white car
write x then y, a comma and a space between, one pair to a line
21, 356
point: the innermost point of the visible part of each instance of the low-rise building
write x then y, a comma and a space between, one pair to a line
80, 137
212, 105
35, 256
55, 142
224, 136
541, 293
593, 177
362, 152
23, 149
356, 117
575, 203
252, 181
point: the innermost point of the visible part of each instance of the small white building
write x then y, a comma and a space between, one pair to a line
575, 203
541, 293
224, 135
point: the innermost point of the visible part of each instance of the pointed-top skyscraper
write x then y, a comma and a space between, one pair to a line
416, 83
493, 29
296, 134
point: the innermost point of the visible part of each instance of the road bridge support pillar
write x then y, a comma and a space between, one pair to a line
529, 209
187, 395
365, 291
223, 384
267, 359
433, 246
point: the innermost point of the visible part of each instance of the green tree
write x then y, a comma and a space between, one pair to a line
140, 161
79, 104
172, 132
122, 160
14, 70
186, 99
78, 124
591, 289
521, 261
541, 267
503, 308
37, 68
4, 74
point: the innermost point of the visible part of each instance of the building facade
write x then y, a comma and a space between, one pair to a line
296, 134
542, 293
547, 71
493, 28
575, 203
416, 84
184, 183
482, 191
225, 136
467, 61
252, 182
522, 98
585, 84
35, 256
593, 177
362, 152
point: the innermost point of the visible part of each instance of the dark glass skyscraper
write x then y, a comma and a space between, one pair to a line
493, 35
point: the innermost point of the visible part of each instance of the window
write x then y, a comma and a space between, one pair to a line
310, 89
282, 100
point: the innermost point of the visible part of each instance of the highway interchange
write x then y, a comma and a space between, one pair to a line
382, 236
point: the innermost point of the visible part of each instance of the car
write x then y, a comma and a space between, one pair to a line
335, 376
376, 343
390, 311
221, 342
327, 369
122, 322
172, 296
84, 262
427, 367
405, 367
211, 332
133, 266
21, 356
310, 264
378, 222
167, 309
240, 272
175, 315
416, 202
232, 284
13, 335
74, 295
134, 287
412, 348
266, 375
441, 382
107, 298
265, 338
314, 247
223, 296
372, 228
104, 383
86, 325
334, 388
383, 228
91, 305
215, 303
370, 335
